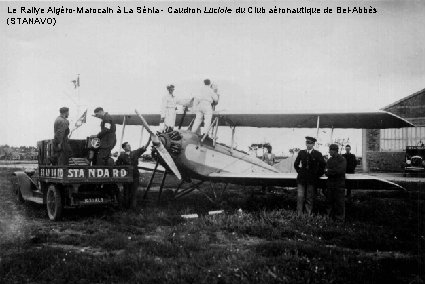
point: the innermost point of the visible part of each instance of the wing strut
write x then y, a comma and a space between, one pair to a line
183, 117
216, 127
122, 133
232, 141
208, 130
318, 124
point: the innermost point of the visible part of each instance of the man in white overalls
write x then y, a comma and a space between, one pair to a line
168, 110
204, 106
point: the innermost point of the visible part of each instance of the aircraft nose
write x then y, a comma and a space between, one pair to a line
172, 141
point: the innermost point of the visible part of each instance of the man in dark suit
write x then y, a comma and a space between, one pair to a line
350, 160
309, 165
350, 167
61, 148
129, 157
336, 167
106, 136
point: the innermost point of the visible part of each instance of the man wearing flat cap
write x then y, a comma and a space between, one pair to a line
106, 136
336, 168
309, 166
61, 148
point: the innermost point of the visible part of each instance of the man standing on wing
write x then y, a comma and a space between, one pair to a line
309, 165
168, 110
61, 148
106, 136
207, 98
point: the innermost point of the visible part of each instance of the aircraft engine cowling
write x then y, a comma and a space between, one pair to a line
172, 141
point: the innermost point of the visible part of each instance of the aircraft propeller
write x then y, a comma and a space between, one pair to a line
160, 147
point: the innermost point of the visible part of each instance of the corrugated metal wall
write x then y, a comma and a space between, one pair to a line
396, 139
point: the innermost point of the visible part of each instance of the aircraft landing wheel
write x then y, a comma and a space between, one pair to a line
54, 203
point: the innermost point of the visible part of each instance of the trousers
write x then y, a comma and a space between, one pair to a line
204, 110
61, 157
130, 192
103, 156
306, 195
336, 203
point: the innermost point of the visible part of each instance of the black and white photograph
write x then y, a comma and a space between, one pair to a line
212, 141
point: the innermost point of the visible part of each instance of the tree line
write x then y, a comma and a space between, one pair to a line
18, 153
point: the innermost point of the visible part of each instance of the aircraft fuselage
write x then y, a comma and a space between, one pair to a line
198, 159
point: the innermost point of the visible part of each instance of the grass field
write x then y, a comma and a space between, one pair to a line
264, 242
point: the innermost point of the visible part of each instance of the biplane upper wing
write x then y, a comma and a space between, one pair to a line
353, 181
358, 120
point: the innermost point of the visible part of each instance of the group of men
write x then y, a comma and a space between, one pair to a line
310, 166
61, 147
107, 137
203, 105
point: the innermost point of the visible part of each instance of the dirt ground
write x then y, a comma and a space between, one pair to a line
258, 239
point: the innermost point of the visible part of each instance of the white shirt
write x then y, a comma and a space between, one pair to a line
207, 94
168, 102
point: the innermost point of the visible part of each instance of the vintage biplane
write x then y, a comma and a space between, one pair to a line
195, 159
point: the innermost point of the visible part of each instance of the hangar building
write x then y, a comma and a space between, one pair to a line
384, 149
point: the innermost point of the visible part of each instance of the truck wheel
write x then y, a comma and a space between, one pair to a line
54, 203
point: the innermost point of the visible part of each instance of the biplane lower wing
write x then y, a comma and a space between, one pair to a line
353, 181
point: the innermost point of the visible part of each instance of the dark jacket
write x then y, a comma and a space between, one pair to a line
350, 163
107, 134
336, 168
309, 166
61, 131
131, 158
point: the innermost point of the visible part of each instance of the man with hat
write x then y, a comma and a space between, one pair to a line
350, 166
207, 98
336, 168
269, 157
168, 110
61, 148
106, 136
129, 157
309, 165
350, 160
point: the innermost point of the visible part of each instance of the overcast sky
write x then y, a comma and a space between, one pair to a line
260, 62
